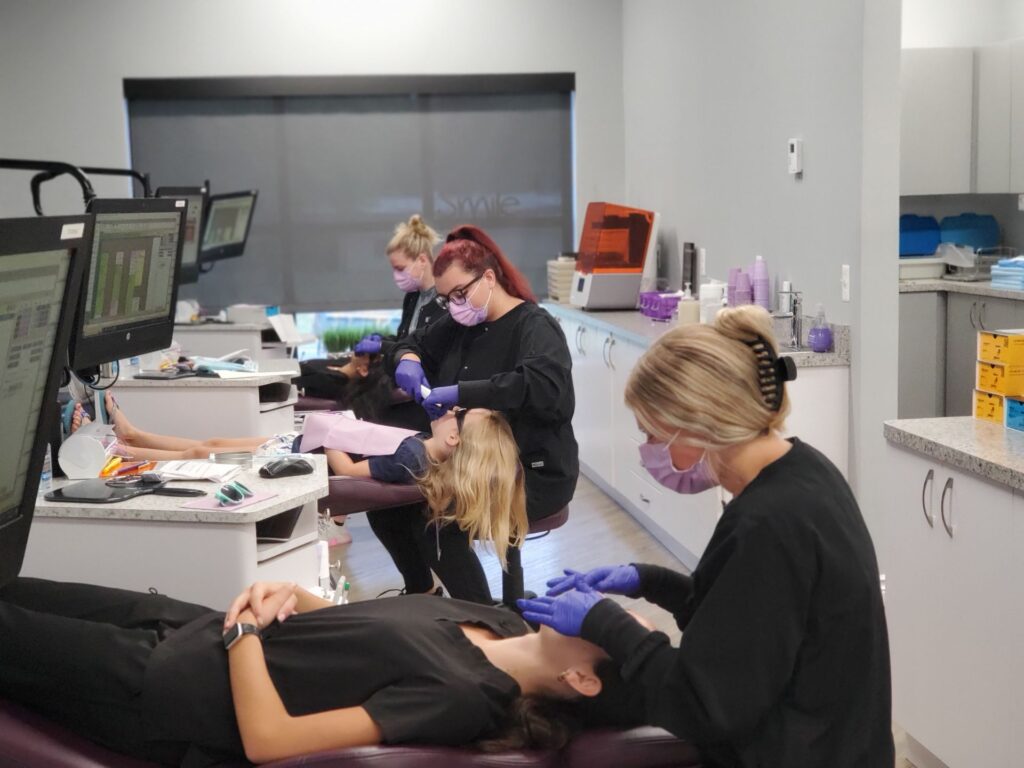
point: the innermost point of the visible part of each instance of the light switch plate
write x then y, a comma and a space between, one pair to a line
845, 282
1020, 202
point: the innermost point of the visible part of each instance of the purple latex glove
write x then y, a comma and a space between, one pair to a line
565, 613
441, 400
610, 579
368, 345
409, 377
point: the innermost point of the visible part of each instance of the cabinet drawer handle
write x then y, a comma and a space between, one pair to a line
604, 350
579, 339
644, 499
974, 308
981, 316
611, 343
942, 507
929, 518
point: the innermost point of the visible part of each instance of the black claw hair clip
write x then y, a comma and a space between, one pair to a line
772, 372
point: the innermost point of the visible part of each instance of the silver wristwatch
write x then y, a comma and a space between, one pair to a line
237, 632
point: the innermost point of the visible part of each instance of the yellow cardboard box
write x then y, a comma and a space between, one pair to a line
1005, 347
988, 407
1000, 379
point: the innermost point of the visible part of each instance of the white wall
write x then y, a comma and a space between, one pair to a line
955, 23
62, 63
713, 93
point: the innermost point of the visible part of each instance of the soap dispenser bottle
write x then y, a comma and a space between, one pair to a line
819, 338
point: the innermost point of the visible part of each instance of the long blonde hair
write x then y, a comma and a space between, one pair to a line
414, 237
480, 486
705, 381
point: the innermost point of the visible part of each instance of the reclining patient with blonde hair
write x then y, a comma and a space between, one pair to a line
467, 467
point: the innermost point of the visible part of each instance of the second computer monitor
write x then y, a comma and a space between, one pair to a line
130, 292
228, 221
195, 202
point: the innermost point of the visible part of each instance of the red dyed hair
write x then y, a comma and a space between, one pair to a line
477, 252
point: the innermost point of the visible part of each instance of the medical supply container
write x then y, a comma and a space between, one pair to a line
1014, 413
989, 407
1005, 347
1000, 379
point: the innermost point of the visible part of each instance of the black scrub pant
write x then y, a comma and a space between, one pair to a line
77, 653
413, 546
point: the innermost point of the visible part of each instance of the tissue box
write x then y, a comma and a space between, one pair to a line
1006, 347
1000, 379
989, 407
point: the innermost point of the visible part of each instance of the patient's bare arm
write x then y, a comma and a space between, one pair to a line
341, 464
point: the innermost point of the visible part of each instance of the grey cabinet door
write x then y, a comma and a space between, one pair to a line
922, 382
965, 316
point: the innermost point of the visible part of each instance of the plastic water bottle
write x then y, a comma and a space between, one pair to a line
761, 284
46, 476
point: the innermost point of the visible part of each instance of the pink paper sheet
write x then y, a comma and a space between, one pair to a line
210, 502
343, 433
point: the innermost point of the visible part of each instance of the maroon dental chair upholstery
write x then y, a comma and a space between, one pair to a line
307, 403
28, 740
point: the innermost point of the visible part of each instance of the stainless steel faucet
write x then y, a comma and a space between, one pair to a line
795, 317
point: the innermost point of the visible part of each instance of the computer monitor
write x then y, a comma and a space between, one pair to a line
42, 261
195, 201
129, 294
228, 220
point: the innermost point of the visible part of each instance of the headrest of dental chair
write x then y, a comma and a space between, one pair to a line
644, 747
349, 495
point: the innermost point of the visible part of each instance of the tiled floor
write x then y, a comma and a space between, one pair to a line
599, 532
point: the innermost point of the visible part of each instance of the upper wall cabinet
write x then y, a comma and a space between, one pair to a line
937, 99
993, 97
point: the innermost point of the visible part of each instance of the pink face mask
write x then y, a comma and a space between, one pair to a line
657, 460
405, 281
466, 314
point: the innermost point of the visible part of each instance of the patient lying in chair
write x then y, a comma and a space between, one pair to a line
467, 466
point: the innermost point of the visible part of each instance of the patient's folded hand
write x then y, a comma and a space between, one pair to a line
268, 600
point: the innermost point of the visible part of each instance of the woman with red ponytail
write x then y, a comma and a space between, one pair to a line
496, 349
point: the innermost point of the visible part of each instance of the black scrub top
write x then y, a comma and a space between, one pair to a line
404, 659
518, 364
430, 312
784, 659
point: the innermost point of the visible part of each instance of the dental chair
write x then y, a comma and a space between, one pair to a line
27, 739
307, 403
350, 495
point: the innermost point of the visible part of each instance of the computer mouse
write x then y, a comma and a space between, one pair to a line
288, 466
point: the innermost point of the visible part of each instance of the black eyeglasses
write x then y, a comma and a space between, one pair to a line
459, 296
460, 417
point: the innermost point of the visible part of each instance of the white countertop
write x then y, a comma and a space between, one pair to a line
959, 286
983, 448
221, 327
290, 492
638, 329
199, 382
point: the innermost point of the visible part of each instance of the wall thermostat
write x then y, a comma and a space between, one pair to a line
796, 156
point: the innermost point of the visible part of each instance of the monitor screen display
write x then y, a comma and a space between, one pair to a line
195, 202
127, 305
131, 277
31, 291
227, 225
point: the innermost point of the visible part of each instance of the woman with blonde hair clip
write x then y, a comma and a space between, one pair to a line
784, 659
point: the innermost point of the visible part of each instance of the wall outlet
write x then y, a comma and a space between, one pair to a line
845, 282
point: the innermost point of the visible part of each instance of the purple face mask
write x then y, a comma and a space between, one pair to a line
466, 314
405, 281
657, 460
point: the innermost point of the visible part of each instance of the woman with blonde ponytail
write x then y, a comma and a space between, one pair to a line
784, 659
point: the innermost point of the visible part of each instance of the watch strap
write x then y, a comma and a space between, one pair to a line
237, 632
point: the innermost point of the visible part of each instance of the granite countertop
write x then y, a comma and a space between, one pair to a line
222, 327
199, 382
290, 492
631, 326
959, 286
983, 448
